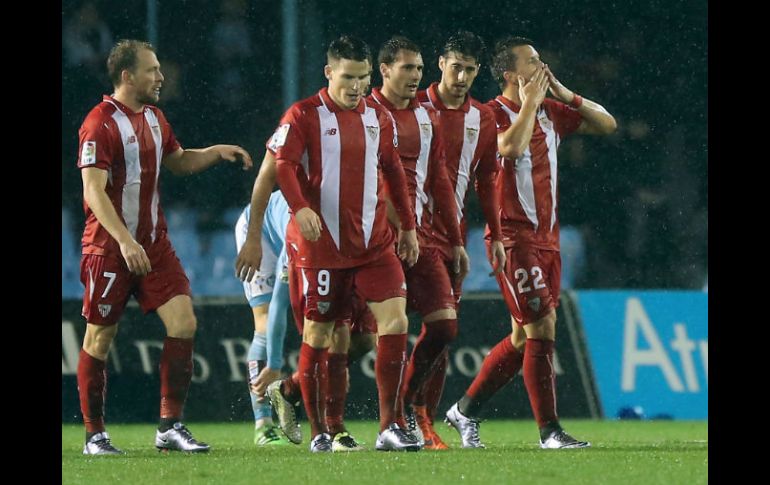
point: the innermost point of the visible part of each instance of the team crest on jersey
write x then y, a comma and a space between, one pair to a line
534, 304
323, 306
279, 137
471, 133
88, 155
104, 310
425, 128
373, 130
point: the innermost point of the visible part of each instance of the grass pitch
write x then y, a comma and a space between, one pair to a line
623, 452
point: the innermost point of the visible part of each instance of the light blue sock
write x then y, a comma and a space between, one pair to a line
258, 352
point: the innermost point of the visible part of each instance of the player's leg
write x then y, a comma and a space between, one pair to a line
382, 285
166, 290
106, 291
339, 385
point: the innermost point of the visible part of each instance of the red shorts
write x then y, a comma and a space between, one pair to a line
530, 282
109, 284
327, 295
431, 283
362, 320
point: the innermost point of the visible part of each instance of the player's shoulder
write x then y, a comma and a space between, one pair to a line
303, 106
494, 105
483, 108
100, 114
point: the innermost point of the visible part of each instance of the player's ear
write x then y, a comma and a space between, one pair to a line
384, 70
126, 77
441, 63
510, 77
328, 72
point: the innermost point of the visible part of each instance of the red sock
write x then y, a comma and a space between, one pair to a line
291, 389
338, 391
176, 368
434, 387
92, 383
389, 369
539, 377
314, 380
499, 367
433, 340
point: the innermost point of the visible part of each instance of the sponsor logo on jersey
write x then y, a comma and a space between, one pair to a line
373, 130
470, 134
330, 132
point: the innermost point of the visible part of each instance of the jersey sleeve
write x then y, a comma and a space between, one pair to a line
486, 173
170, 143
289, 141
393, 171
566, 120
441, 188
95, 143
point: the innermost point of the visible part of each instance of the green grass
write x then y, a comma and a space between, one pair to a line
623, 452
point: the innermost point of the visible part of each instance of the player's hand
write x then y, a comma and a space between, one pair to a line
557, 89
461, 263
136, 257
533, 91
234, 153
248, 260
266, 377
408, 248
497, 257
309, 224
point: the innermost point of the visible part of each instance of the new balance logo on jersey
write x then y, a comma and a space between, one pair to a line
330, 132
104, 310
88, 155
471, 133
373, 130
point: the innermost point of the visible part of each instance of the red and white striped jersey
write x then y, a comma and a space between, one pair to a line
422, 155
331, 160
528, 185
130, 147
470, 145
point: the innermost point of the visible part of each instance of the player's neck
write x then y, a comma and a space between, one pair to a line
397, 101
512, 93
128, 101
451, 102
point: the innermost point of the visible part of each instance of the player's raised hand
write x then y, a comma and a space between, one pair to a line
234, 153
461, 263
136, 257
533, 91
408, 248
497, 257
557, 89
309, 224
248, 260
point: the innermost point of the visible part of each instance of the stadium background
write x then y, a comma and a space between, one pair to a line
633, 206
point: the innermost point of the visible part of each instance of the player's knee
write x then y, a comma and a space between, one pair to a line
98, 340
184, 326
543, 328
393, 326
317, 335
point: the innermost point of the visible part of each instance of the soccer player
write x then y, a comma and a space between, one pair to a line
331, 151
530, 128
268, 296
467, 128
126, 250
429, 281
266, 351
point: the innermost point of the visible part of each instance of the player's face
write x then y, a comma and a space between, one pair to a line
404, 75
458, 73
146, 77
527, 61
348, 81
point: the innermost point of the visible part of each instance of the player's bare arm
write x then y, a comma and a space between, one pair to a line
513, 142
250, 256
596, 119
194, 160
94, 183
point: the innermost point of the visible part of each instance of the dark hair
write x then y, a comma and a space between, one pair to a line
466, 43
124, 56
504, 58
348, 47
389, 50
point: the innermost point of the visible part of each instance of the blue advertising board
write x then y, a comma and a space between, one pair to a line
649, 349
